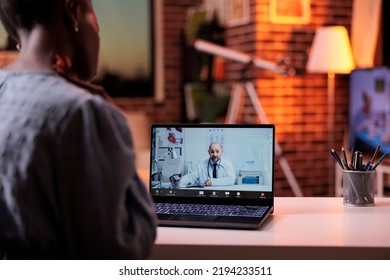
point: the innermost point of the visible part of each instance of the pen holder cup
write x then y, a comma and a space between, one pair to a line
359, 187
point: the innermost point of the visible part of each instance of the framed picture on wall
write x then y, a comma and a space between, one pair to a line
131, 54
289, 11
238, 12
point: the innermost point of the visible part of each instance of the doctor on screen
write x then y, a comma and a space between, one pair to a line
214, 171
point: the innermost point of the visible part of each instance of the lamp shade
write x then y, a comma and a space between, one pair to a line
331, 51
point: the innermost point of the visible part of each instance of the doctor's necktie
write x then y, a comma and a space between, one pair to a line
215, 170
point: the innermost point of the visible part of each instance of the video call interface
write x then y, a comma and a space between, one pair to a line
182, 161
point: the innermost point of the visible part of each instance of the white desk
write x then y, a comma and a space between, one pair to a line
300, 228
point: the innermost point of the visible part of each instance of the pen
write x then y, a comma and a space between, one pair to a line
380, 160
375, 153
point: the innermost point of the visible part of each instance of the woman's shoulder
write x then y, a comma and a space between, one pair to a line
53, 97
37, 85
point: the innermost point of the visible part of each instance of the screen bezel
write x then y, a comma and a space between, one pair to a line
268, 199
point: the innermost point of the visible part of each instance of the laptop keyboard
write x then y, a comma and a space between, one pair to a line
210, 210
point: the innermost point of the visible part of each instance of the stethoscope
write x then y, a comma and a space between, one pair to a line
208, 166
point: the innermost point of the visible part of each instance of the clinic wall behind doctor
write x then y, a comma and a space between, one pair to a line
297, 105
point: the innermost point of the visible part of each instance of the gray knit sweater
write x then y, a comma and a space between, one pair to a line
68, 185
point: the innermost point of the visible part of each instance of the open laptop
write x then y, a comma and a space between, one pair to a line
186, 189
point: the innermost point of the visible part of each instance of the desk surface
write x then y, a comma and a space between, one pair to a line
300, 228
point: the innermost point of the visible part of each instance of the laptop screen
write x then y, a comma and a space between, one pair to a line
213, 162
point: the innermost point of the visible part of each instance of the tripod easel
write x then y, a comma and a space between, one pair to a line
232, 114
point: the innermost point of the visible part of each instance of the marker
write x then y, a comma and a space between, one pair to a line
352, 164
360, 165
356, 160
344, 156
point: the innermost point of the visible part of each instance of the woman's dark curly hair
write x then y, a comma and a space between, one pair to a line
26, 13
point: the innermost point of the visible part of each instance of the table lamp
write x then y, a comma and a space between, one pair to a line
331, 54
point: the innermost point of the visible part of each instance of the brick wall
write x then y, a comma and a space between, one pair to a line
297, 105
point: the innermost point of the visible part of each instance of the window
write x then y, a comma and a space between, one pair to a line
131, 55
128, 54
